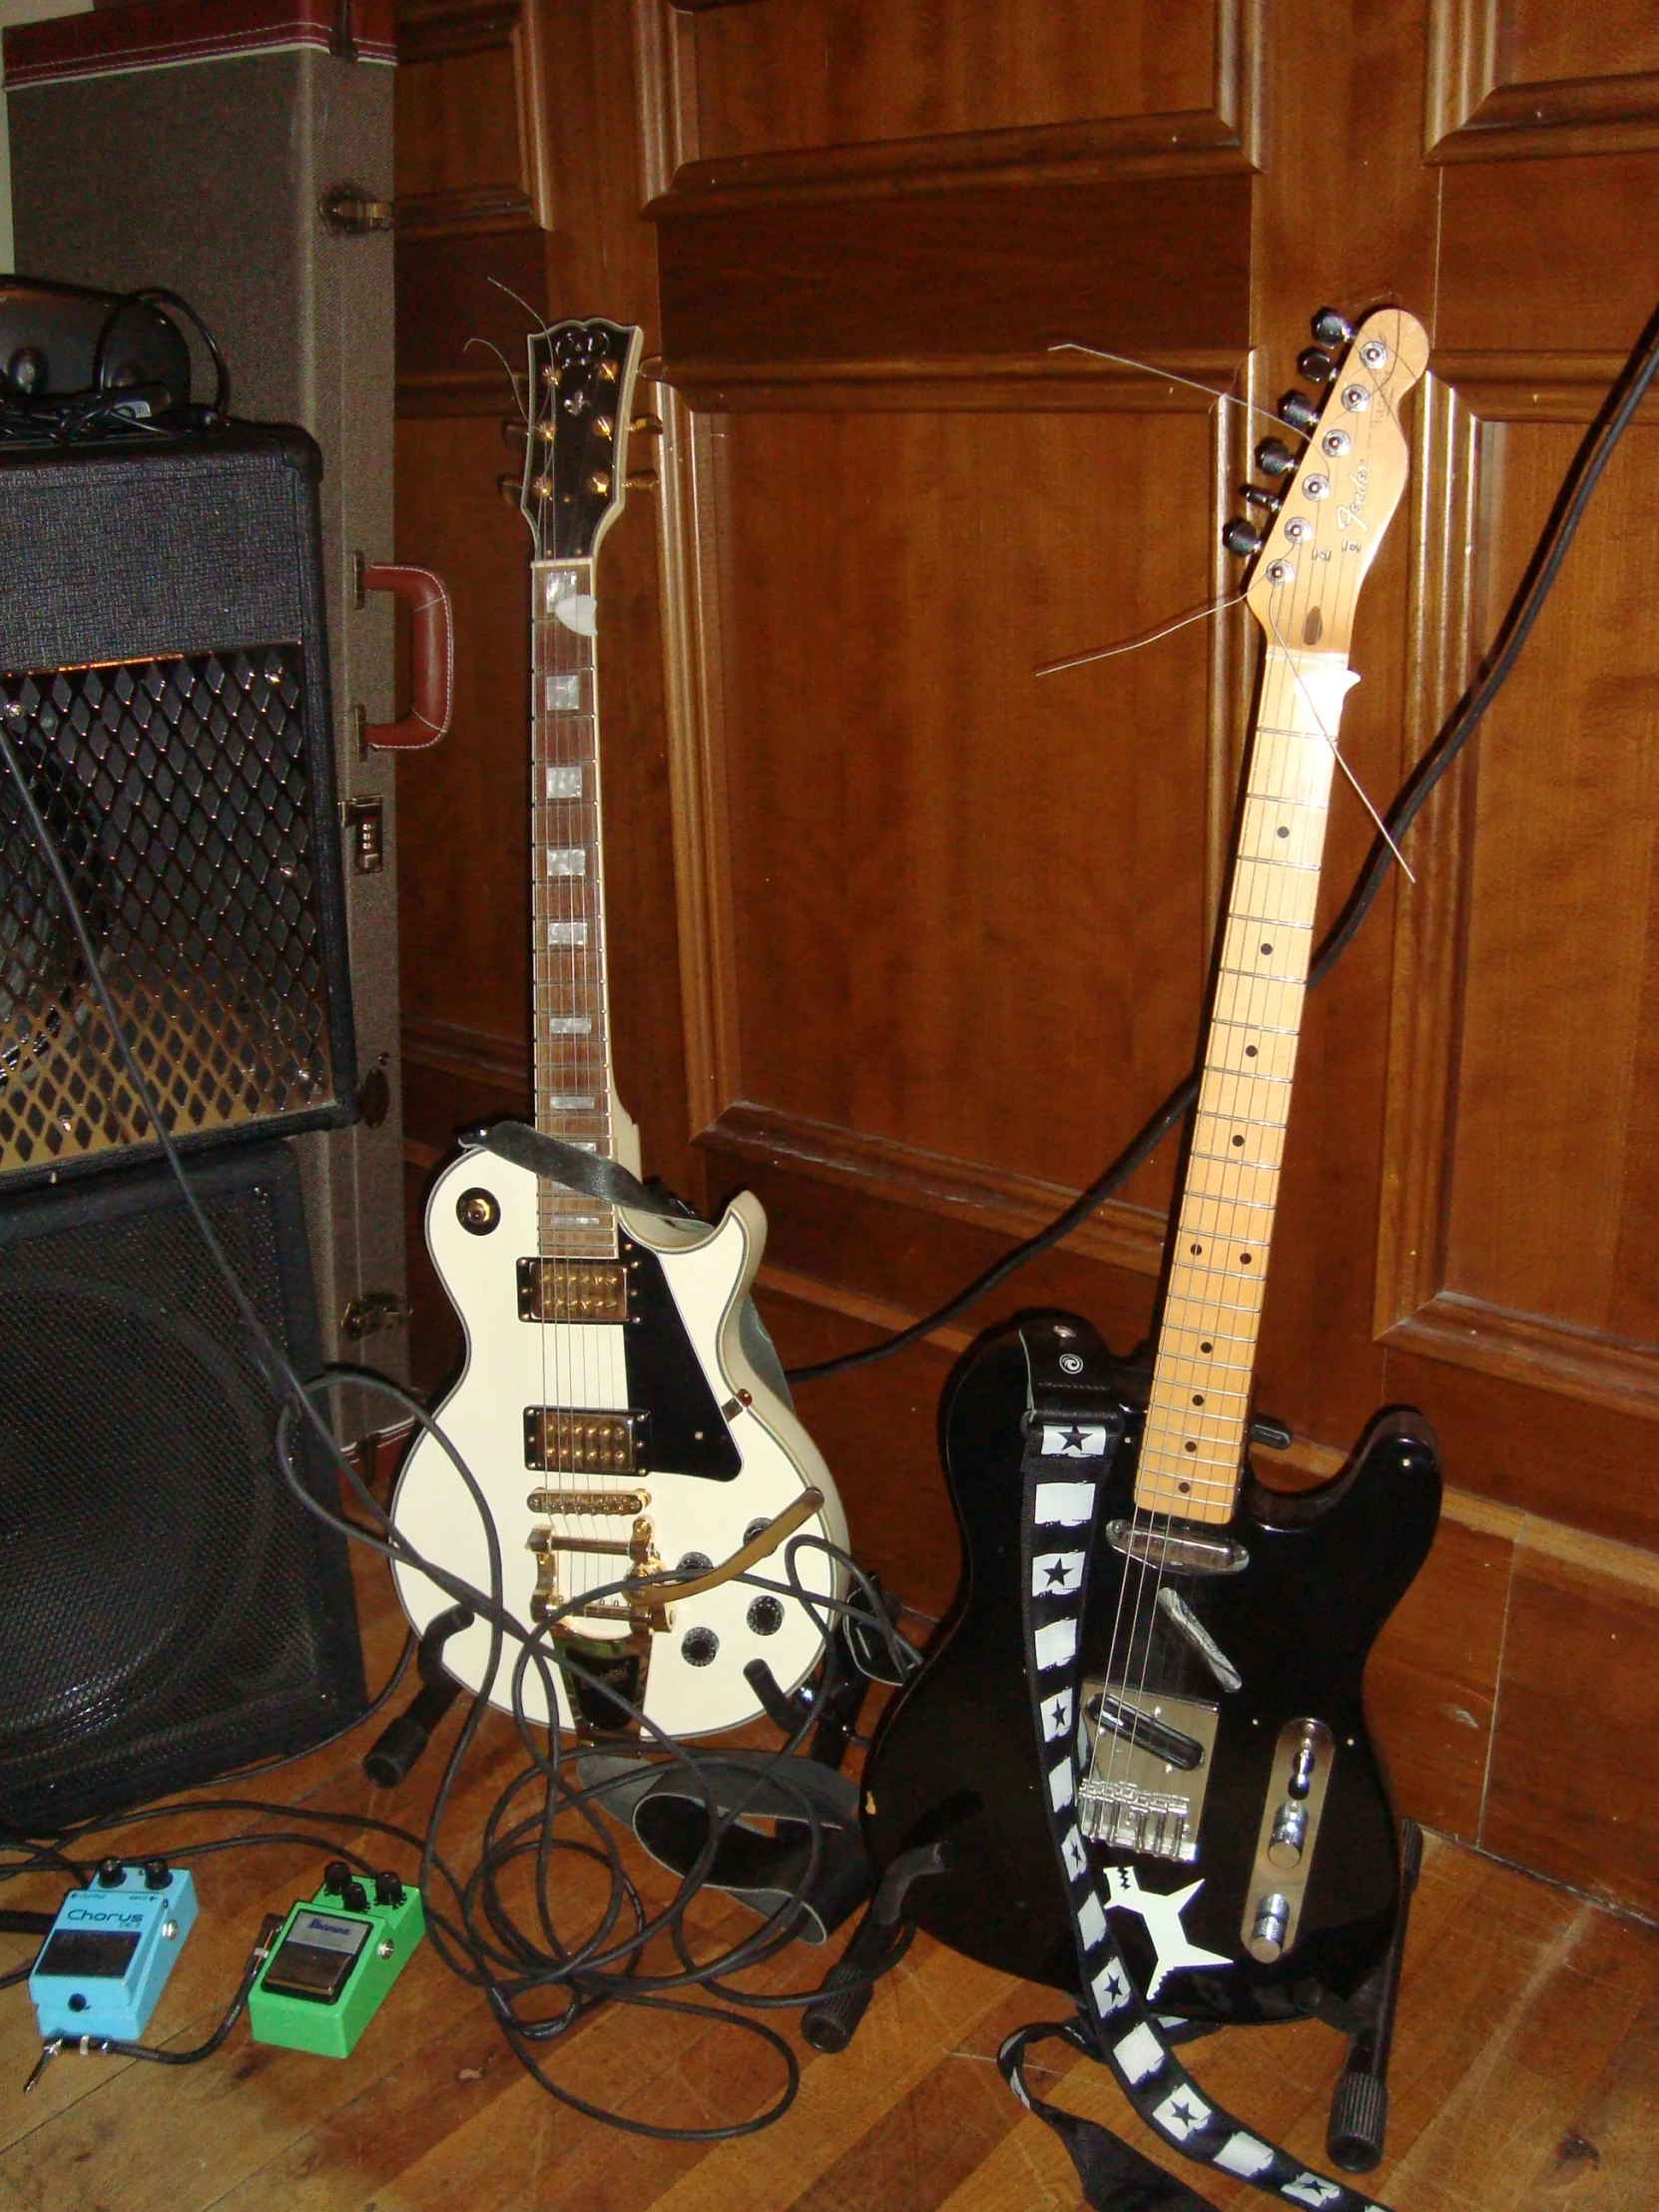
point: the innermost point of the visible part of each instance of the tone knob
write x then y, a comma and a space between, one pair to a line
1331, 327
1274, 458
1316, 364
1299, 413
1241, 539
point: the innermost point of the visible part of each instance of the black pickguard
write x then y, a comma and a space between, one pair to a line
688, 1433
956, 1753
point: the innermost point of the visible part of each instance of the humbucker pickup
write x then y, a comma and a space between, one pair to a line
572, 1290
569, 1439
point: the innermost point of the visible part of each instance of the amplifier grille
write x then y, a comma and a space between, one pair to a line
178, 792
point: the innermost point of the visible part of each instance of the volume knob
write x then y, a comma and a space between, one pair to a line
1240, 538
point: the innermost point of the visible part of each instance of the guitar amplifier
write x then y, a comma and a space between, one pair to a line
240, 153
165, 684
168, 1609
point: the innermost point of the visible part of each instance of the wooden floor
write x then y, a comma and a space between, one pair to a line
1526, 2071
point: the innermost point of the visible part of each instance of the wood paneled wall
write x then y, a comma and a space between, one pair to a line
910, 937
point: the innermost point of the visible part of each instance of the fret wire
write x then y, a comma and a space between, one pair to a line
568, 976
1287, 788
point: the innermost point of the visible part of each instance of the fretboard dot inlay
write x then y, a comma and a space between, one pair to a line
1198, 1397
1196, 1250
1189, 1446
1238, 1140
1282, 831
1206, 1347
1244, 1259
1267, 948
1250, 1052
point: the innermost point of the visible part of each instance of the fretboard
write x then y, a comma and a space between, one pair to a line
1192, 1453
571, 1027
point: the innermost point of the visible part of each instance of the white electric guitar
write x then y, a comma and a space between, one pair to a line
621, 1407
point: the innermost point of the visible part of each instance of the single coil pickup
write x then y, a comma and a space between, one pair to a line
1147, 1733
572, 1290
1176, 1546
598, 1504
573, 1439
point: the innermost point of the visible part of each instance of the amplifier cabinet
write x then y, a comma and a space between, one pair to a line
192, 146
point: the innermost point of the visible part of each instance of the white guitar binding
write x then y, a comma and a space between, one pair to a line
620, 1405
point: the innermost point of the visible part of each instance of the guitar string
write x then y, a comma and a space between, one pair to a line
1120, 1754
1277, 731
1151, 637
1173, 377
1158, 1541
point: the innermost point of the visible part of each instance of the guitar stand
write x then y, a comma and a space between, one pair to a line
880, 1940
1360, 2105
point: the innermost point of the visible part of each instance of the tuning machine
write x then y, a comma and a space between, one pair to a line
1316, 365
1299, 412
1274, 458
1332, 328
1255, 495
1241, 539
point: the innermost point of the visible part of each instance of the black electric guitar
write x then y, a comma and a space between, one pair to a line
1227, 1782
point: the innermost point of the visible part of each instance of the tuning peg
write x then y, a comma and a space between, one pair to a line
1255, 496
1240, 538
642, 479
510, 487
1274, 458
1299, 413
515, 435
1332, 328
1316, 364
647, 426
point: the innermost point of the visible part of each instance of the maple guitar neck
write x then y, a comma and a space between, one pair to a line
571, 1011
1191, 1453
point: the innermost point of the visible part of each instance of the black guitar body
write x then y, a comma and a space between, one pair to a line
957, 1755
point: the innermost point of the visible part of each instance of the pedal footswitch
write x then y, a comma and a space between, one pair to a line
111, 1949
333, 1962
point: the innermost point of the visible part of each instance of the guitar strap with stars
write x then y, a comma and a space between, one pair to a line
1069, 1450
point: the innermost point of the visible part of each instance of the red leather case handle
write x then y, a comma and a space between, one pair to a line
431, 657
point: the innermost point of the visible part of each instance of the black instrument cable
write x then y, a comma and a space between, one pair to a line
521, 1970
479, 1939
1609, 424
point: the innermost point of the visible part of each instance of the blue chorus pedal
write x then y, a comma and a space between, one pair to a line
111, 1949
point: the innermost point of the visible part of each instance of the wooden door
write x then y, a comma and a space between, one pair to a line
910, 939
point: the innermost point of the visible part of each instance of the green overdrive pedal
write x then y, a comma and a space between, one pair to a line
333, 1962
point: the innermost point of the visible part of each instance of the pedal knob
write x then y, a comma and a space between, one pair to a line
157, 1873
1240, 539
1359, 2123
336, 1875
111, 1875
387, 1890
